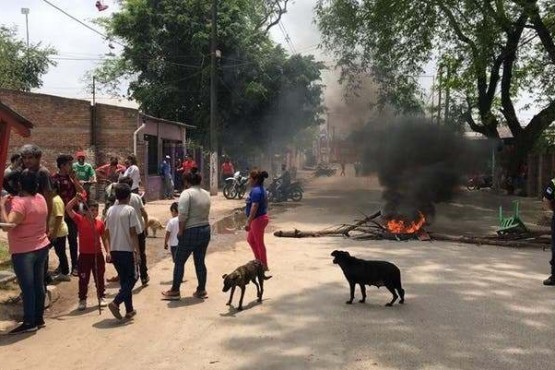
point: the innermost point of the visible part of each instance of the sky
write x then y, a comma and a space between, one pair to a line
80, 49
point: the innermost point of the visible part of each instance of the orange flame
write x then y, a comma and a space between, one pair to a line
402, 227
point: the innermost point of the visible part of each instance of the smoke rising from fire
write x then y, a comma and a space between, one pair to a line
418, 164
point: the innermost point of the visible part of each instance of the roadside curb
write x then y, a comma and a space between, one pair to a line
7, 276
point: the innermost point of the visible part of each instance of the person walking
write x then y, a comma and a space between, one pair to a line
193, 235
122, 228
257, 217
28, 245
136, 202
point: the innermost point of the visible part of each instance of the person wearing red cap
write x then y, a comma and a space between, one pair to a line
84, 172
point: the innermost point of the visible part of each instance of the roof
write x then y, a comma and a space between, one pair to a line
20, 123
161, 120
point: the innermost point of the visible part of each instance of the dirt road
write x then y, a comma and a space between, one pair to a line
467, 307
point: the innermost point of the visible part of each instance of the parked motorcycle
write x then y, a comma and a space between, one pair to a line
324, 170
236, 186
477, 182
294, 192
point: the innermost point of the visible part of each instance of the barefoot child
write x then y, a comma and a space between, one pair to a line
171, 230
91, 229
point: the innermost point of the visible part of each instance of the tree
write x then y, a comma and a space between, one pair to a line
166, 59
22, 68
496, 52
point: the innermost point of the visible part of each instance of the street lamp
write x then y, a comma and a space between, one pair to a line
26, 11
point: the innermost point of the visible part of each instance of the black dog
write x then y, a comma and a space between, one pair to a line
252, 271
361, 272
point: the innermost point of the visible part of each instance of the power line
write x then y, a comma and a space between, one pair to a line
287, 38
106, 37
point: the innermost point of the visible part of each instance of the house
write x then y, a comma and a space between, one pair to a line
10, 121
63, 125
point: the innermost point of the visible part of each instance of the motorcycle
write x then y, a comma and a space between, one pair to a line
324, 170
294, 192
477, 182
236, 186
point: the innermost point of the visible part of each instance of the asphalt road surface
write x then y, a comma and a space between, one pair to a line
467, 307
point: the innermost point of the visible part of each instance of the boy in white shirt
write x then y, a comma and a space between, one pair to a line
171, 230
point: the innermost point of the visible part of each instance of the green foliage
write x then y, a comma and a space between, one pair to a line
22, 68
491, 54
166, 58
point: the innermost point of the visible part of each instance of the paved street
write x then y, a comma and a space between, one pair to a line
467, 307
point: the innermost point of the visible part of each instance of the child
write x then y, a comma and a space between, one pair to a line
91, 230
57, 233
171, 230
123, 227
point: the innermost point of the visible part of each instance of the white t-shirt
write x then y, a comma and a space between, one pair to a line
119, 219
173, 227
137, 203
133, 172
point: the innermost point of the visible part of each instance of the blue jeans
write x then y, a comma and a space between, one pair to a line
128, 274
29, 269
193, 241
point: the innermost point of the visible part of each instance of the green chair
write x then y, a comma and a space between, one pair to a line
512, 224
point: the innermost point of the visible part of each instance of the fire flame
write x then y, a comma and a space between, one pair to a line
402, 227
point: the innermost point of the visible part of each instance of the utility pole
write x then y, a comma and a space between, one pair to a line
439, 96
213, 103
446, 114
26, 12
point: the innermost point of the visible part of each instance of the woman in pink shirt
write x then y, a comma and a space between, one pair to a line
29, 245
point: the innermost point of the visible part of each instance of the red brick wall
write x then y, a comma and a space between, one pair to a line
61, 125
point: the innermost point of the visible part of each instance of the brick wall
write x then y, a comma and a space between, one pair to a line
61, 125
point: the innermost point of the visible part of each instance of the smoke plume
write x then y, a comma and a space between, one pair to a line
418, 164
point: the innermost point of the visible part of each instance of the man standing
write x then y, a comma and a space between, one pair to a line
122, 223
188, 164
549, 203
166, 176
133, 172
69, 186
110, 171
15, 163
136, 202
84, 172
227, 169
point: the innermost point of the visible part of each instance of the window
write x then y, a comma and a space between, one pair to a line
152, 154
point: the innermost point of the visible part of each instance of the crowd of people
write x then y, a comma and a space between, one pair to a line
43, 210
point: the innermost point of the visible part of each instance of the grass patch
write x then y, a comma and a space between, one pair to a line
5, 260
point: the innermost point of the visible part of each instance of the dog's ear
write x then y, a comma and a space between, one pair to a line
224, 276
334, 253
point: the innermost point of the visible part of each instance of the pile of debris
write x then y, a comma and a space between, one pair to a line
375, 227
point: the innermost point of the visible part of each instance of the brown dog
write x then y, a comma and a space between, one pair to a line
252, 271
154, 224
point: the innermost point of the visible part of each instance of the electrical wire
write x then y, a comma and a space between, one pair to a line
106, 37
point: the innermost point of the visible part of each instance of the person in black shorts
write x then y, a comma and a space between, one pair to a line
549, 201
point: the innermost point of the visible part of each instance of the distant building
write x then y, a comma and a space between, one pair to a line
63, 125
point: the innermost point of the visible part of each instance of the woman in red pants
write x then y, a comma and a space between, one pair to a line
257, 217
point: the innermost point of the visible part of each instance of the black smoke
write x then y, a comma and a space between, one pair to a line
419, 164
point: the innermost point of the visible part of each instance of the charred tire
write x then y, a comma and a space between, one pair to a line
229, 191
296, 195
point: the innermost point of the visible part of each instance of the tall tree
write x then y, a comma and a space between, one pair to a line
496, 52
166, 59
22, 68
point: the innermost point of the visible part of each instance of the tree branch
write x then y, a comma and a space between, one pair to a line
279, 12
513, 38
